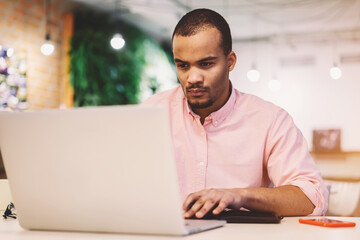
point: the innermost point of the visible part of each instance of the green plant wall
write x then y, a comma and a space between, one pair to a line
99, 74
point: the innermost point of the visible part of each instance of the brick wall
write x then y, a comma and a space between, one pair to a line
22, 27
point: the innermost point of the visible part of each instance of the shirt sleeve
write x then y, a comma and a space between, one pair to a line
290, 163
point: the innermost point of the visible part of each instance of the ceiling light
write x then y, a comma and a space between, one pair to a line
253, 75
48, 47
117, 42
274, 85
335, 72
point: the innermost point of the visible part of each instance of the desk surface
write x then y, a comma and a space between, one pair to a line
288, 229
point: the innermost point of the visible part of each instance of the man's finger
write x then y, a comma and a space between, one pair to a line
207, 206
221, 207
190, 199
194, 208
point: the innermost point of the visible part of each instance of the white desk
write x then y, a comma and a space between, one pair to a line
288, 229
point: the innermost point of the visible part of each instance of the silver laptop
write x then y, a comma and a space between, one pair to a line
104, 169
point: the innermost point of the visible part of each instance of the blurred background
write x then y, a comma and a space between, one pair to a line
303, 55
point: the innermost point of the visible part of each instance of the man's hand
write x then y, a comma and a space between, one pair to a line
284, 200
217, 200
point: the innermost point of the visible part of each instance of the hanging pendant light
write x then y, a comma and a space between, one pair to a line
335, 72
47, 48
117, 42
274, 84
253, 75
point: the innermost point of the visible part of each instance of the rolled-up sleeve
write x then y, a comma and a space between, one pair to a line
290, 163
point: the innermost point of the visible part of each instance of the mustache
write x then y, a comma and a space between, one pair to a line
197, 86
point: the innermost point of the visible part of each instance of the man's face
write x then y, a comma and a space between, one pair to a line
203, 69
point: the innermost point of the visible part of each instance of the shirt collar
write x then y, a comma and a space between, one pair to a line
220, 115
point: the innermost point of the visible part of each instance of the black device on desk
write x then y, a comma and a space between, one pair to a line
242, 216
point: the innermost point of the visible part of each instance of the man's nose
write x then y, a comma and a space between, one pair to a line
195, 76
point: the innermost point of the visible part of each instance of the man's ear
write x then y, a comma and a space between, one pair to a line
231, 60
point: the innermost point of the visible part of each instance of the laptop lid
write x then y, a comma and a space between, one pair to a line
102, 169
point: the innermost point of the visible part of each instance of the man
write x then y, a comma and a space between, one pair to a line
230, 146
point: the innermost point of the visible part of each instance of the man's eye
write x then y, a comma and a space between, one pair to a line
182, 65
206, 64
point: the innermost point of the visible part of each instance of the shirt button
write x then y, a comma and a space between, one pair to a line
202, 133
216, 123
201, 163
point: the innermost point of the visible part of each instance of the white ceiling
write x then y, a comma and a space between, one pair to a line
250, 20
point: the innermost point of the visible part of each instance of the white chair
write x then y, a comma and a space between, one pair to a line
344, 198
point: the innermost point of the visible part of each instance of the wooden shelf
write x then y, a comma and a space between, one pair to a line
335, 155
340, 166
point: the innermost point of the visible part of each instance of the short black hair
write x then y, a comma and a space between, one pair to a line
201, 19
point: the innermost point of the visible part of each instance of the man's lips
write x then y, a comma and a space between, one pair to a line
196, 92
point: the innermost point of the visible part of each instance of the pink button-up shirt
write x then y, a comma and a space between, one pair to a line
247, 143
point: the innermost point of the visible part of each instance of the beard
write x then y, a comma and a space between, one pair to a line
199, 105
195, 104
